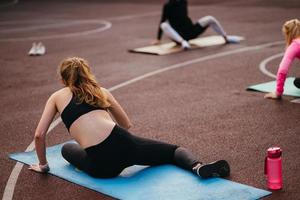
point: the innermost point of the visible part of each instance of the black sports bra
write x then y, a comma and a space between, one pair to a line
74, 110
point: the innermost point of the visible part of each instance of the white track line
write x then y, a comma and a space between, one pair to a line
39, 27
106, 24
26, 21
263, 64
9, 188
127, 17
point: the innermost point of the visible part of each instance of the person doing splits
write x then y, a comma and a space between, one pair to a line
105, 146
291, 31
177, 25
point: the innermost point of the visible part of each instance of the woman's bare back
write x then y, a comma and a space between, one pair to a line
89, 129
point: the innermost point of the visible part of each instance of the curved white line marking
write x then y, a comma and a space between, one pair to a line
9, 189
263, 64
127, 17
38, 27
9, 4
106, 24
25, 21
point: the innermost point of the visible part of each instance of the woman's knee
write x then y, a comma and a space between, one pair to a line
67, 150
207, 20
210, 18
164, 25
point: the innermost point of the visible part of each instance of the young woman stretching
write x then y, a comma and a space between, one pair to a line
177, 25
291, 30
105, 147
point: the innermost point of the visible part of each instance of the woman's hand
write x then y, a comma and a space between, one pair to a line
272, 95
39, 168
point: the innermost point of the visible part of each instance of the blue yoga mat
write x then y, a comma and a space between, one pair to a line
289, 87
147, 183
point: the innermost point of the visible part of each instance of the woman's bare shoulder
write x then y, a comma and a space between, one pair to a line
105, 91
61, 93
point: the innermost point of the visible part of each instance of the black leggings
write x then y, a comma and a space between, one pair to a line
297, 82
121, 149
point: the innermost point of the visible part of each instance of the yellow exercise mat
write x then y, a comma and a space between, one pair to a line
171, 47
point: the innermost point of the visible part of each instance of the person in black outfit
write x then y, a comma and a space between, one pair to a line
99, 125
177, 25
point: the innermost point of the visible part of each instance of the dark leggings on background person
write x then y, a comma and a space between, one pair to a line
297, 82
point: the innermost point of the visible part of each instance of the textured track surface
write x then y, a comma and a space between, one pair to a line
203, 106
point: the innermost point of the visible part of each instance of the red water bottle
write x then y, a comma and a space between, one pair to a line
273, 168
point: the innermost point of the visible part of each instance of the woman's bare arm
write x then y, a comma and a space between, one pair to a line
40, 135
117, 111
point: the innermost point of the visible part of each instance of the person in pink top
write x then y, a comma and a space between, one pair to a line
291, 30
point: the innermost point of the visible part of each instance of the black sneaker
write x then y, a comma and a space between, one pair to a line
218, 168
